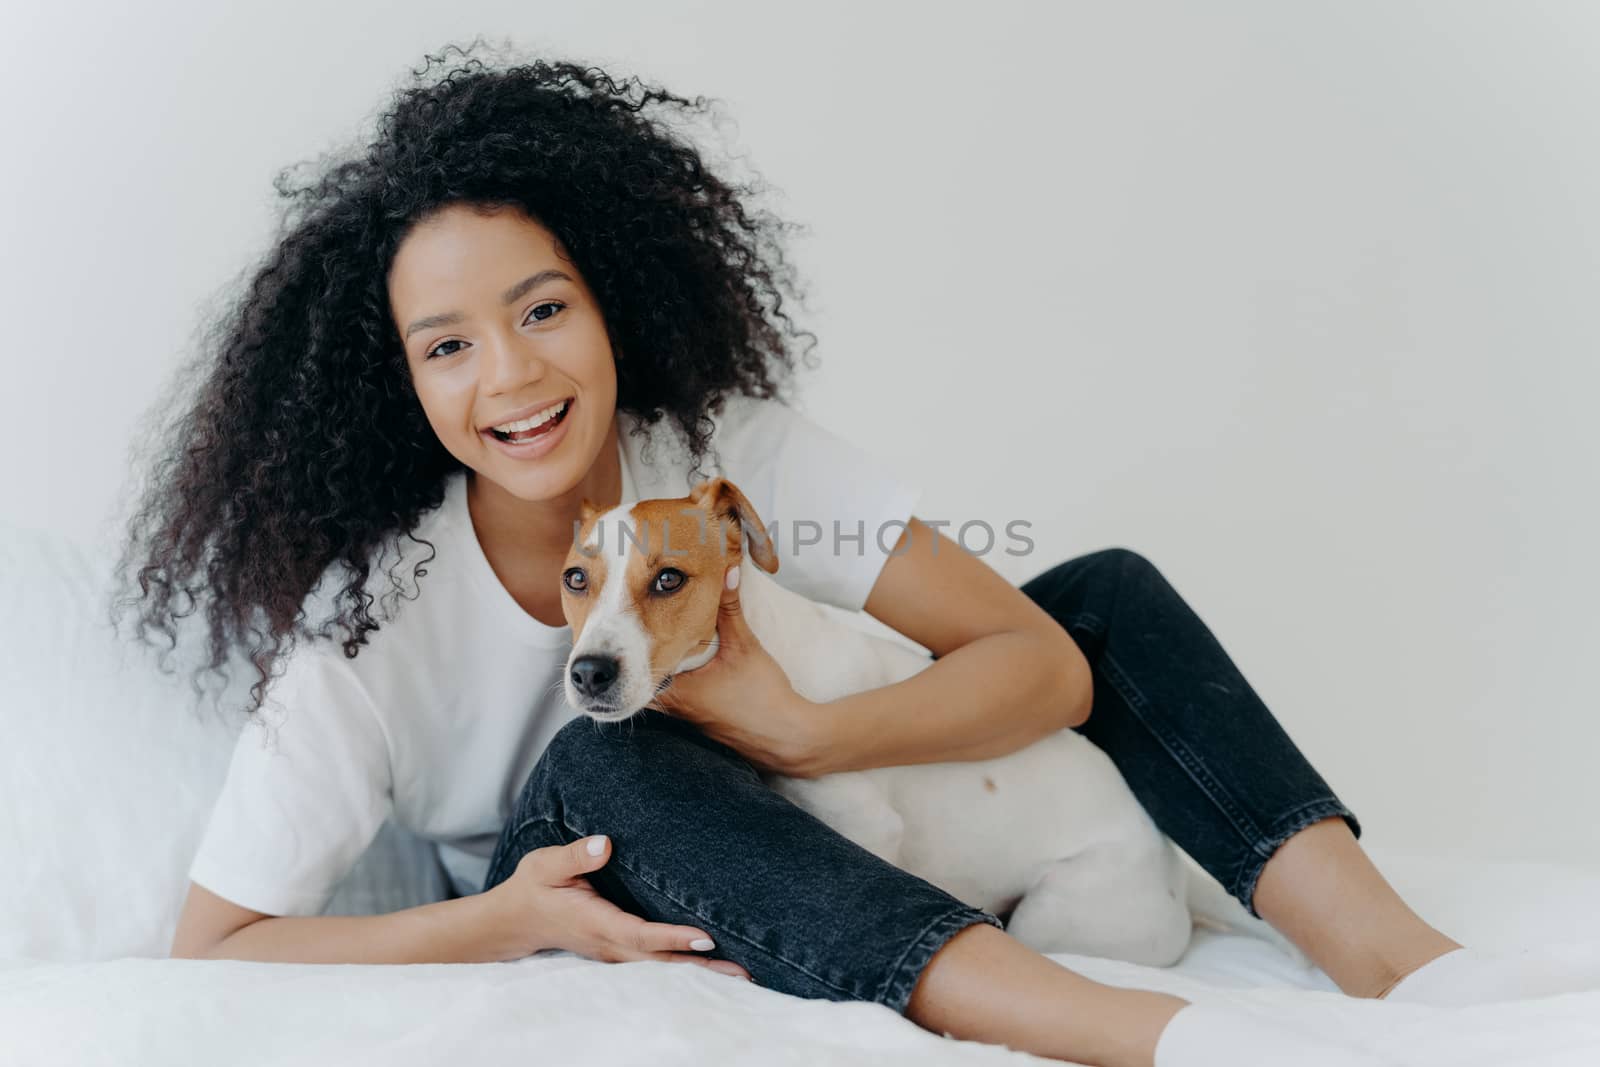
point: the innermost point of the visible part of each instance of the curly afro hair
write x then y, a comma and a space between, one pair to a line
304, 444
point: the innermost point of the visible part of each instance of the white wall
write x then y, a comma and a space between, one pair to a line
1297, 300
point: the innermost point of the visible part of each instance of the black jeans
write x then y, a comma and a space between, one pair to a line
699, 839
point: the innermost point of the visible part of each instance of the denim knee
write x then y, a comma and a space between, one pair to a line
565, 765
559, 772
1115, 565
591, 769
1125, 564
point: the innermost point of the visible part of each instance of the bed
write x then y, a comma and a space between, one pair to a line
109, 769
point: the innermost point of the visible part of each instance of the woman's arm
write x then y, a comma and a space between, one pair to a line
1007, 673
462, 930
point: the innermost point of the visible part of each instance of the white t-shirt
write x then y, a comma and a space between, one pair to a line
439, 720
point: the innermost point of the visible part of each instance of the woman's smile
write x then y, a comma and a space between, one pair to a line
529, 444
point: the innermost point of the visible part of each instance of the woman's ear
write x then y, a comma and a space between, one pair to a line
724, 501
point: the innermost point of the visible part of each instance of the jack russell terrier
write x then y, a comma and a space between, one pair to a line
1049, 833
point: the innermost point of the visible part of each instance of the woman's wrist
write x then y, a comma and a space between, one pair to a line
825, 739
503, 932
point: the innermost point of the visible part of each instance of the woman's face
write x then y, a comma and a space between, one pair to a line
486, 348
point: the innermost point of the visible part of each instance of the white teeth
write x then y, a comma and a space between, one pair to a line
538, 418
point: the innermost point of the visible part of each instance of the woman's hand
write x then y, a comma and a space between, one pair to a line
548, 903
742, 698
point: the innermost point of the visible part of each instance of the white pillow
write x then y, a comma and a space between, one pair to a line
108, 770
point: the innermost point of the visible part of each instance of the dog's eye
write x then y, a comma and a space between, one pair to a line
575, 580
668, 580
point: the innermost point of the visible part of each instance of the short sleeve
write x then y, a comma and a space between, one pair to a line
307, 789
836, 510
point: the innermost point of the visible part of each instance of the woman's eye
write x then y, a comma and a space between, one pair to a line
436, 350
575, 580
668, 580
558, 305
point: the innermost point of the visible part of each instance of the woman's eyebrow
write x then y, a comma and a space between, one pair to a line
510, 296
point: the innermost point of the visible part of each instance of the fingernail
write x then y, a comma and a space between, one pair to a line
702, 944
596, 845
733, 577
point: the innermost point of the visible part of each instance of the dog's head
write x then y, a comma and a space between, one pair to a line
641, 588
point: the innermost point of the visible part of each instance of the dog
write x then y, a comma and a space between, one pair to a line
1049, 838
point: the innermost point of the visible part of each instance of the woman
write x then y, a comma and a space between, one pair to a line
454, 342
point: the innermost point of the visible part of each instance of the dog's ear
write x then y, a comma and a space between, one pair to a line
721, 499
586, 511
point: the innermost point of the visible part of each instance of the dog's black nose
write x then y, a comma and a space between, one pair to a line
593, 675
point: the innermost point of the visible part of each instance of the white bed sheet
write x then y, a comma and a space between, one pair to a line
556, 1008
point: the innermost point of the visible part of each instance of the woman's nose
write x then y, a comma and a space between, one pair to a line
507, 365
